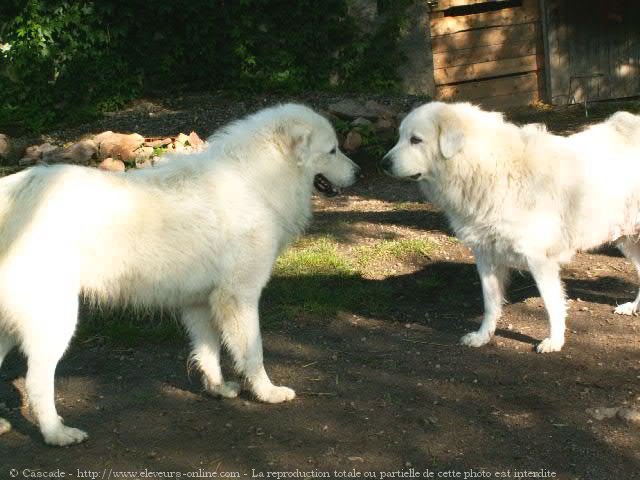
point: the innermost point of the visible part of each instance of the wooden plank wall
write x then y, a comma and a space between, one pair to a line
490, 56
594, 50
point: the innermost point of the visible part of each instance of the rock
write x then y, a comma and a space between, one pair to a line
101, 137
16, 150
145, 163
118, 145
37, 153
629, 415
350, 110
602, 413
143, 153
83, 152
112, 165
181, 139
196, 142
386, 130
626, 414
361, 122
157, 143
384, 124
5, 146
80, 153
353, 141
382, 111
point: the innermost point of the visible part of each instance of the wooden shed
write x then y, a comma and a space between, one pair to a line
592, 49
490, 52
501, 53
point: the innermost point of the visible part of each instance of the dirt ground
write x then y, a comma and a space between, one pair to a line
392, 394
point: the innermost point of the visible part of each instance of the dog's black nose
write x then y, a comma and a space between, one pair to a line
386, 163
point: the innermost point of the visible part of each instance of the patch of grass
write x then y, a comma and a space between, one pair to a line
386, 250
316, 257
159, 151
315, 278
401, 206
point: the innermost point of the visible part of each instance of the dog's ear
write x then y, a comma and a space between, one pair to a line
294, 135
451, 137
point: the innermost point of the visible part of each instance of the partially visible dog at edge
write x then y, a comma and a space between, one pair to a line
521, 197
199, 233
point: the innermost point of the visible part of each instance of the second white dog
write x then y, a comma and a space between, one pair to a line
524, 198
199, 233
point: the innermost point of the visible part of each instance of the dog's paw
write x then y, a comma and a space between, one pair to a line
629, 308
63, 436
275, 394
224, 389
5, 426
549, 345
475, 339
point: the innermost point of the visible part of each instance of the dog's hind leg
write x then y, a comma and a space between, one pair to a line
631, 249
49, 327
546, 274
237, 317
205, 344
493, 276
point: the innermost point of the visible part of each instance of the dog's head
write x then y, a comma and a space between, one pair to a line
314, 145
430, 136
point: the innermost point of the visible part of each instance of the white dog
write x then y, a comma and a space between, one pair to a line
199, 233
524, 198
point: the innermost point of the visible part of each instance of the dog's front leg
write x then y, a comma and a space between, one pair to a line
493, 278
238, 320
546, 274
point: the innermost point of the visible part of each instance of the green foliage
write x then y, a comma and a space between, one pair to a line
56, 60
373, 58
61, 60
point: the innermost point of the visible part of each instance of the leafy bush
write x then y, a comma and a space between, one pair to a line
62, 60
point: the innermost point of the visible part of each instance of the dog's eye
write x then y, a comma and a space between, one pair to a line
333, 151
415, 140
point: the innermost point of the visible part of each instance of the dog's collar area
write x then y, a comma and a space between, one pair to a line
324, 186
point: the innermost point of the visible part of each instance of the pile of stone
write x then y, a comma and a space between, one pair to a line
364, 119
358, 123
107, 150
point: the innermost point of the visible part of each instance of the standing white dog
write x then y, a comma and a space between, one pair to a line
524, 198
199, 233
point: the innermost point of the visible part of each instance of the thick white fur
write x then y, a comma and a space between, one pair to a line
199, 233
524, 198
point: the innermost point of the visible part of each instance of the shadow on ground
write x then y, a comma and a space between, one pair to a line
376, 392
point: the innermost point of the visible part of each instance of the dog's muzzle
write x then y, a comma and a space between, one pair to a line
324, 186
386, 164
